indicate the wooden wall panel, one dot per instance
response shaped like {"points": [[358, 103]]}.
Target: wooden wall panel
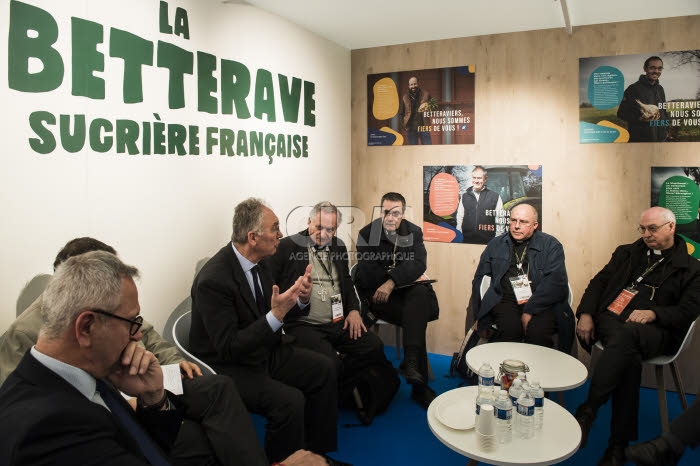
{"points": [[526, 113]]}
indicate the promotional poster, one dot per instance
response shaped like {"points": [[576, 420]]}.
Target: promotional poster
{"points": [[471, 203], [423, 107], [676, 188], [650, 97]]}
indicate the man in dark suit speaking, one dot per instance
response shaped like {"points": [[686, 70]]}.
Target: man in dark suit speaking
{"points": [[237, 317]]}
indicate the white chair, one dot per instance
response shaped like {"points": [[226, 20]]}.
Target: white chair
{"points": [[181, 337], [659, 362], [31, 291]]}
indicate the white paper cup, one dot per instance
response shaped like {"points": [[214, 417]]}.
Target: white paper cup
{"points": [[486, 442], [486, 421]]}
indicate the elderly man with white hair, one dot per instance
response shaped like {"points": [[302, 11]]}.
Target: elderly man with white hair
{"points": [[639, 305]]}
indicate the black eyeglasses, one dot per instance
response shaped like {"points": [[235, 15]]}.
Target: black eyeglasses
{"points": [[392, 213], [135, 324]]}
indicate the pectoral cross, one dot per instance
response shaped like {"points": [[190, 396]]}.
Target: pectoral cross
{"points": [[322, 293], [653, 290]]}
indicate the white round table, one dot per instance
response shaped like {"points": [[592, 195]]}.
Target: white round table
{"points": [[554, 370], [558, 440]]}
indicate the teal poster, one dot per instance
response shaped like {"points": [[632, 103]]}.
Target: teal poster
{"points": [[652, 97], [677, 189]]}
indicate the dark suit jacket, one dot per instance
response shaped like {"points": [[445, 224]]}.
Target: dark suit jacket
{"points": [[376, 252], [291, 260], [45, 420], [227, 328]]}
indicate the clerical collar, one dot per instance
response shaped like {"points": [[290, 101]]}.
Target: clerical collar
{"points": [[519, 242], [658, 253]]}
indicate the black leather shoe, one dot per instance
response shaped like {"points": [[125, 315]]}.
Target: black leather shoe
{"points": [[656, 452], [334, 462], [411, 372], [585, 417], [423, 395], [614, 455]]}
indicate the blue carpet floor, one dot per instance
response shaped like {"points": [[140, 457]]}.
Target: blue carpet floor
{"points": [[401, 435]]}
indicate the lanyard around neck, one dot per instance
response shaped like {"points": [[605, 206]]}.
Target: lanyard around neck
{"points": [[646, 272], [327, 270]]}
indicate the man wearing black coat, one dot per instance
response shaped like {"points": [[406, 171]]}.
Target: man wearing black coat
{"points": [[61, 403], [331, 323], [639, 305], [390, 257], [646, 122], [237, 317]]}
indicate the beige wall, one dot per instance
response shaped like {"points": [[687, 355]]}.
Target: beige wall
{"points": [[526, 113]]}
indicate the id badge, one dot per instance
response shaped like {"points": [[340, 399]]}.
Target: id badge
{"points": [[521, 288], [622, 300], [337, 307]]}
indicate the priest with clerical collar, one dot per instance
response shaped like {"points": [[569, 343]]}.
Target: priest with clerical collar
{"points": [[640, 305], [330, 323], [527, 299]]}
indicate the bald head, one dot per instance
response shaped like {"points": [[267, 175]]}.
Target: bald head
{"points": [[527, 210], [657, 226], [523, 222]]}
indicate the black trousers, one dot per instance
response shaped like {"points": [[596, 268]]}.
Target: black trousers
{"points": [[686, 427], [618, 373], [217, 424], [297, 393], [410, 308], [540, 330], [330, 339]]}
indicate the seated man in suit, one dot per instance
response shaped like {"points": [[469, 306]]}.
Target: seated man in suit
{"points": [[390, 257], [331, 322], [639, 305], [237, 317], [527, 298], [668, 448], [212, 401], [60, 402]]}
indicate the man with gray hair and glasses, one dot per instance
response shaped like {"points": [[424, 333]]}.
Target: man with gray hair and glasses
{"points": [[331, 322], [62, 401], [639, 306]]}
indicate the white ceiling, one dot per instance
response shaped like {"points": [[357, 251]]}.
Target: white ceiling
{"points": [[357, 24]]}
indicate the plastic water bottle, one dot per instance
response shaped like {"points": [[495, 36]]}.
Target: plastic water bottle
{"points": [[504, 417], [525, 386], [522, 377], [484, 398], [526, 415], [486, 380], [537, 394], [515, 390], [487, 376]]}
